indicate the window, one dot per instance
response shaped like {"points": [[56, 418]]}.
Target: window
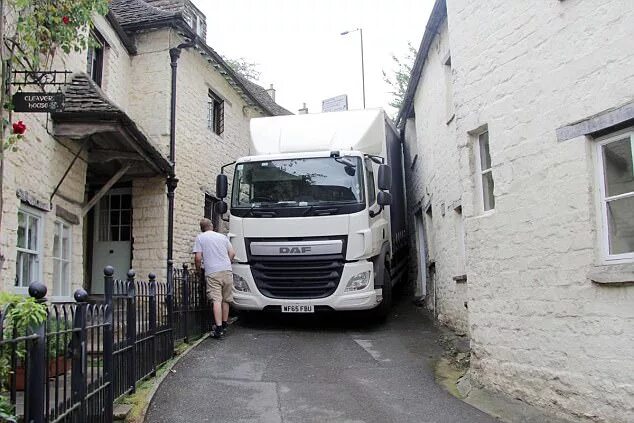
{"points": [[616, 187], [28, 263], [449, 107], [461, 241], [211, 212], [484, 172], [115, 217], [429, 228], [62, 241], [94, 60], [215, 114], [369, 175]]}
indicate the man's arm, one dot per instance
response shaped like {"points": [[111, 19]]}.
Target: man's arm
{"points": [[232, 252], [198, 254], [198, 260]]}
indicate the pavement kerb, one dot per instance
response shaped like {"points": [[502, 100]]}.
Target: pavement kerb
{"points": [[168, 371]]}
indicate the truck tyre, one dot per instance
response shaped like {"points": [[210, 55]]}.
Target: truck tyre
{"points": [[381, 312]]}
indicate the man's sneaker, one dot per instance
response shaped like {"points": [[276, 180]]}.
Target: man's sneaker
{"points": [[217, 332]]}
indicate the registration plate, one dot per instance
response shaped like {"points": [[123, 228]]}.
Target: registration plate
{"points": [[298, 308]]}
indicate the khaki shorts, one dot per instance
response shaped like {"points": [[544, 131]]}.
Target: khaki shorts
{"points": [[220, 286]]}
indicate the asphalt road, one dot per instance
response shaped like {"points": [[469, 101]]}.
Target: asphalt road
{"points": [[334, 368]]}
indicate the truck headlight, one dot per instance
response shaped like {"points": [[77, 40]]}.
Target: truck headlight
{"points": [[358, 282], [240, 284]]}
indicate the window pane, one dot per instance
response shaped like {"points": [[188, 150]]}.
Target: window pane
{"points": [[126, 201], [115, 201], [24, 260], [57, 253], [617, 167], [32, 233], [114, 233], [126, 217], [57, 278], [66, 243], [114, 217], [485, 157], [621, 225], [487, 191], [22, 230], [65, 285], [125, 233]]}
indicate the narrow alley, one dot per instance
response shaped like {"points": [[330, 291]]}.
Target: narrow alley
{"points": [[319, 369]]}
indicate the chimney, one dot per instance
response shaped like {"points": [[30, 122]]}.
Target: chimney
{"points": [[303, 110], [271, 92]]}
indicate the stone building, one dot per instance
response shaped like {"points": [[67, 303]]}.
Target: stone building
{"points": [[519, 138], [87, 188]]}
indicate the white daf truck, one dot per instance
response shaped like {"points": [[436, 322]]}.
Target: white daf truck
{"points": [[317, 216]]}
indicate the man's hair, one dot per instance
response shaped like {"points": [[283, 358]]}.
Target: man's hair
{"points": [[206, 225]]}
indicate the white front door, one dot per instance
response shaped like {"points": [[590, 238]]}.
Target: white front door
{"points": [[113, 237]]}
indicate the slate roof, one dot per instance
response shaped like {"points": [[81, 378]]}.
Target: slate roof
{"points": [[133, 13], [263, 97], [85, 102], [83, 95]]}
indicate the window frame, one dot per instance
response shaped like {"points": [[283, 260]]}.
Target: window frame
{"points": [[606, 257], [215, 113], [38, 251], [68, 228], [98, 61], [480, 172]]}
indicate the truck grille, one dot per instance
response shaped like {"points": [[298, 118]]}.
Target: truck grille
{"points": [[297, 277]]}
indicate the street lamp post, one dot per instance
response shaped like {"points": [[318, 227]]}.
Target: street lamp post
{"points": [[362, 64]]}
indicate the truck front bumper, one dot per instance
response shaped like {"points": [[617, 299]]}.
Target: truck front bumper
{"points": [[364, 299]]}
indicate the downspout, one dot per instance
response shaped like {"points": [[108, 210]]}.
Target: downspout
{"points": [[172, 181]]}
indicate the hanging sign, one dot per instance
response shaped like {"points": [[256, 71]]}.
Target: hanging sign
{"points": [[38, 102]]}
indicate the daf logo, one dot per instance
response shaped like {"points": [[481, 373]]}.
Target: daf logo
{"points": [[294, 250]]}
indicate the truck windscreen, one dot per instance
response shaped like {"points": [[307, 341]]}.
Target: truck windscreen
{"points": [[298, 182]]}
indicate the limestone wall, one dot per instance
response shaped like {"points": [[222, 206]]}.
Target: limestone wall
{"points": [[541, 330], [434, 185]]}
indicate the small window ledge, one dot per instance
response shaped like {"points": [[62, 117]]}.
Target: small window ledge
{"points": [[460, 278], [606, 277]]}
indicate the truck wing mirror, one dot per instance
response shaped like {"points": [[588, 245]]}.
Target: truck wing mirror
{"points": [[385, 177], [221, 207], [221, 186], [384, 198]]}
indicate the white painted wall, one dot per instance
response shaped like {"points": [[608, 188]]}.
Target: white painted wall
{"points": [[540, 329]]}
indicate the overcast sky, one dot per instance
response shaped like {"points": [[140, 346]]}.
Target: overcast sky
{"points": [[298, 47]]}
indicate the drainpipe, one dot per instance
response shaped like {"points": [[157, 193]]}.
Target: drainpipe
{"points": [[172, 181]]}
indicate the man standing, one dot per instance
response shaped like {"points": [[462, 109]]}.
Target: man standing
{"points": [[216, 252]]}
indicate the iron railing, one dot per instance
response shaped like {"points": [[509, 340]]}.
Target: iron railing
{"points": [[73, 366]]}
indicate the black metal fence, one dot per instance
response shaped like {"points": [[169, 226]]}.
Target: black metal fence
{"points": [[73, 366]]}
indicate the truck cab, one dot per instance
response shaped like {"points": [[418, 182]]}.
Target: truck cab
{"points": [[312, 228]]}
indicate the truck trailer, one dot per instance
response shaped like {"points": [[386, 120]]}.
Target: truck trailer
{"points": [[317, 213]]}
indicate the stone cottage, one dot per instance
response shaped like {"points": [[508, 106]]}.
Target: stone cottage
{"points": [[518, 128], [88, 186]]}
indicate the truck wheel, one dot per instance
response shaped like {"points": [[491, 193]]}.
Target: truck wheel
{"points": [[381, 312]]}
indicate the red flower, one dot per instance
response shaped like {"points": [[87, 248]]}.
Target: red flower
{"points": [[19, 128], [66, 20]]}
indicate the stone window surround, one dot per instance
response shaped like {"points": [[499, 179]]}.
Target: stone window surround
{"points": [[606, 257], [604, 123]]}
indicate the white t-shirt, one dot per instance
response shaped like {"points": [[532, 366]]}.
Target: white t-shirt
{"points": [[215, 249]]}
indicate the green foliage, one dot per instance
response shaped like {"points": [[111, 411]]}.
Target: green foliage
{"points": [[43, 26], [244, 67], [7, 411], [399, 80]]}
